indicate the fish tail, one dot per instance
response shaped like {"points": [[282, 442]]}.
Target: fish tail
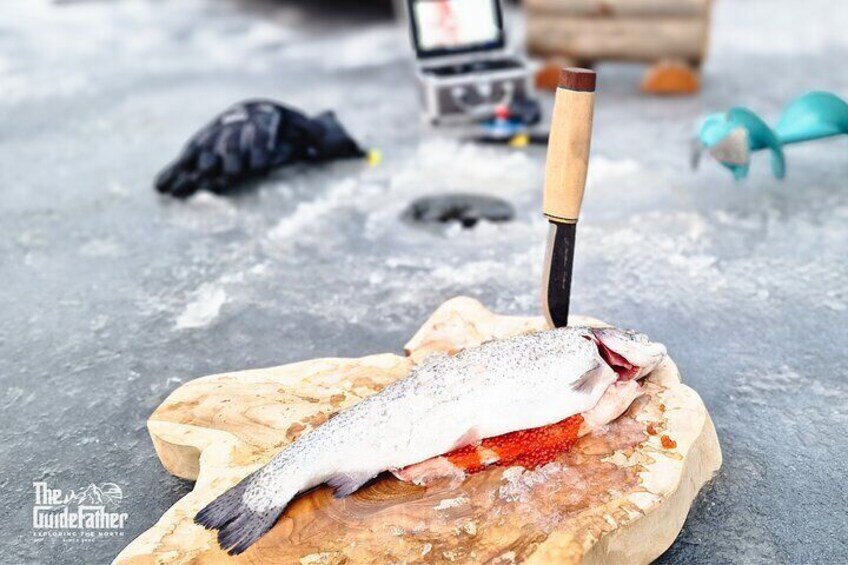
{"points": [[238, 524]]}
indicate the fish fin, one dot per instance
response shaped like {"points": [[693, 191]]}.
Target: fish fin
{"points": [[238, 525], [469, 437], [589, 380], [223, 509], [345, 484], [423, 473]]}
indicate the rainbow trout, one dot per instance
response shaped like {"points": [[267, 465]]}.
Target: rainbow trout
{"points": [[444, 404]]}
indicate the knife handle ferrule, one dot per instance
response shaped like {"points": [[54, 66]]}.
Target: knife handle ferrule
{"points": [[568, 145]]}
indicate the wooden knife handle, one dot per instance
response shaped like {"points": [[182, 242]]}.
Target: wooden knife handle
{"points": [[568, 145]]}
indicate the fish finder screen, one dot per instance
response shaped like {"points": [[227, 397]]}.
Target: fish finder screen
{"points": [[453, 24]]}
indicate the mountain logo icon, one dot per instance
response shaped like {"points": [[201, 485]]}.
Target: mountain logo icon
{"points": [[106, 494]]}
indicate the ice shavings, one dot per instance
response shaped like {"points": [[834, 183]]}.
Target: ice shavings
{"points": [[203, 309], [656, 256], [442, 165], [396, 265], [519, 482], [451, 503], [653, 257], [818, 402], [311, 215], [204, 212]]}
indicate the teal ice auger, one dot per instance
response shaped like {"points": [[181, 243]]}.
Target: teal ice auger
{"points": [[731, 138]]}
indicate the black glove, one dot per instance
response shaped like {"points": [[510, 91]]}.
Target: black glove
{"points": [[251, 139]]}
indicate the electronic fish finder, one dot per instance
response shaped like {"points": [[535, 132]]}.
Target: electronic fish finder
{"points": [[463, 67]]}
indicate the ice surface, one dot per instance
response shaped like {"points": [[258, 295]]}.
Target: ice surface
{"points": [[113, 296], [205, 307]]}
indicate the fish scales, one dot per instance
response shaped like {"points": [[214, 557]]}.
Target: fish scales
{"points": [[501, 386]]}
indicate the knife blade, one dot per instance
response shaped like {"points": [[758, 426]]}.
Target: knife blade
{"points": [[566, 166]]}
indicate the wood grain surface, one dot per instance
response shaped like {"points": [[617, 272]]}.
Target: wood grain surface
{"points": [[619, 8], [620, 495], [591, 39], [569, 143]]}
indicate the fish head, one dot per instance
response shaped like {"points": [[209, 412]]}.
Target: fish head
{"points": [[630, 354]]}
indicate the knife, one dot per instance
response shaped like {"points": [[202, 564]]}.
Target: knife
{"points": [[565, 179]]}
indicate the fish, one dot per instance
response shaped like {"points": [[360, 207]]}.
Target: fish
{"points": [[447, 403], [526, 448]]}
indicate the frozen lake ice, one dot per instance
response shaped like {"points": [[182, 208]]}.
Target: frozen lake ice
{"points": [[112, 296]]}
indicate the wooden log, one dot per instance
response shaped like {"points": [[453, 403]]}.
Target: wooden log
{"points": [[626, 39], [619, 8], [620, 495]]}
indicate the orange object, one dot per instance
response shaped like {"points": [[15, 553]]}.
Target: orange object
{"points": [[547, 77], [527, 448], [671, 78], [668, 443]]}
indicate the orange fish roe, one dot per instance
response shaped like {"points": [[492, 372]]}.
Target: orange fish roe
{"points": [[668, 443], [528, 448], [651, 429]]}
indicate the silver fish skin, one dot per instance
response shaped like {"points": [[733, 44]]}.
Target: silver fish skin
{"points": [[501, 386]]}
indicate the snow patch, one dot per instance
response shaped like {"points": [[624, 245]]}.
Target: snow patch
{"points": [[346, 193], [204, 309], [204, 212], [375, 46]]}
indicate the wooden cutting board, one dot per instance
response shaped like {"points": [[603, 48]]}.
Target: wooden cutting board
{"points": [[620, 496]]}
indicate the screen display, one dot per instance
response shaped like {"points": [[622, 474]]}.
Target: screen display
{"points": [[454, 24]]}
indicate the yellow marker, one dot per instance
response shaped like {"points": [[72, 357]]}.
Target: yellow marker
{"points": [[520, 140], [374, 157]]}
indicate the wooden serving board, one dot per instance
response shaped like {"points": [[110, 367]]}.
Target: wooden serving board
{"points": [[619, 496]]}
